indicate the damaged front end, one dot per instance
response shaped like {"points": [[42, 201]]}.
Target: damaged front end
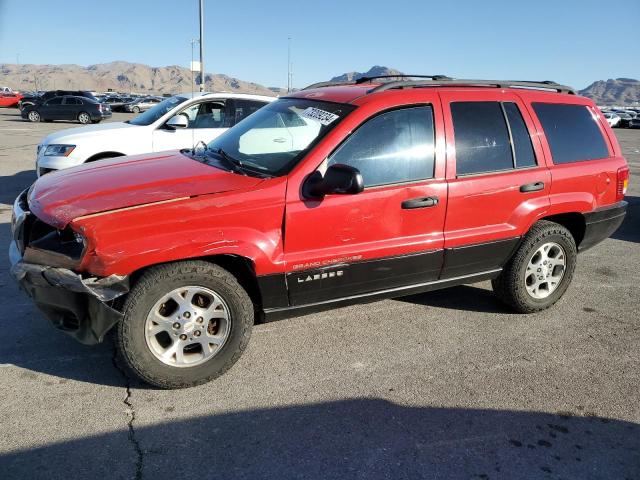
{"points": [[42, 258]]}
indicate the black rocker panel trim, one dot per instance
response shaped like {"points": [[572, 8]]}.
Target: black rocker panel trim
{"points": [[341, 280], [297, 310], [273, 290], [480, 257]]}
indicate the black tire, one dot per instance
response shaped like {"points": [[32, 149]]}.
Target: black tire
{"points": [[34, 116], [135, 109], [510, 286], [84, 118], [157, 282]]}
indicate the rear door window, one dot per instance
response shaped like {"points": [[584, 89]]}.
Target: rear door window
{"points": [[481, 137], [490, 137], [244, 108], [572, 132]]}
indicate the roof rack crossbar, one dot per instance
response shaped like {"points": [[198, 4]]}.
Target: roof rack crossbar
{"points": [[362, 80], [400, 75], [539, 85]]}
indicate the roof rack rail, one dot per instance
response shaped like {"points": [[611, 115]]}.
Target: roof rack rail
{"points": [[444, 81], [526, 84]]}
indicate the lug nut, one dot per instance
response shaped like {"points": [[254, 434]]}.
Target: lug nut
{"points": [[176, 325], [199, 319], [187, 315], [183, 337], [196, 333]]}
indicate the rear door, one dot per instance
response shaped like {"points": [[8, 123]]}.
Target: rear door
{"points": [[498, 180], [71, 107], [389, 235]]}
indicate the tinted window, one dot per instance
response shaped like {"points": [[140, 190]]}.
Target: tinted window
{"points": [[522, 146], [572, 132], [481, 137], [394, 147], [55, 101], [244, 108], [72, 101]]}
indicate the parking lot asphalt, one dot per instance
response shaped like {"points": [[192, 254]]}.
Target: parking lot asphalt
{"points": [[448, 384]]}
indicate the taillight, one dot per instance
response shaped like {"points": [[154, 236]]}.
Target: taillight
{"points": [[99, 107], [622, 183]]}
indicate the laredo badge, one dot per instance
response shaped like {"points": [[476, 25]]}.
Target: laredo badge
{"points": [[320, 276]]}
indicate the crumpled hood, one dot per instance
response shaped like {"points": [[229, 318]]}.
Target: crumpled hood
{"points": [[58, 198], [72, 135]]}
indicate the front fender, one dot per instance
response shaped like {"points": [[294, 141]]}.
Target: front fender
{"points": [[247, 223]]}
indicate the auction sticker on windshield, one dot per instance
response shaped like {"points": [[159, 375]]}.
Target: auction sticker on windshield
{"points": [[325, 118]]}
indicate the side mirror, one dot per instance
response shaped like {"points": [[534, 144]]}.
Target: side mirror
{"points": [[179, 121], [338, 179]]}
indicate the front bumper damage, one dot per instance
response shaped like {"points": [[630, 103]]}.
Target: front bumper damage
{"points": [[82, 307]]}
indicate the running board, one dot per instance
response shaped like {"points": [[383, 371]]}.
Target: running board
{"points": [[272, 314]]}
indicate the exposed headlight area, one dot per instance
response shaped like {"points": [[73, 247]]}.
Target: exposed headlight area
{"points": [[39, 242], [58, 150]]}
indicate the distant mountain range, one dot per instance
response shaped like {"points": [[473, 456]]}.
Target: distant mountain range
{"points": [[619, 91], [121, 77], [139, 78]]}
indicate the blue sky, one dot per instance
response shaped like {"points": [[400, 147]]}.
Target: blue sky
{"points": [[573, 42]]}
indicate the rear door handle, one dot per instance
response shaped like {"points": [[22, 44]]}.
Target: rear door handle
{"points": [[420, 202], [532, 187]]}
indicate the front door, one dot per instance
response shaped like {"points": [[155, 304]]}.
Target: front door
{"points": [[497, 177], [52, 109], [388, 236], [206, 121]]}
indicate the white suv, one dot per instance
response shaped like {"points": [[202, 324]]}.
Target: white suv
{"points": [[178, 122]]}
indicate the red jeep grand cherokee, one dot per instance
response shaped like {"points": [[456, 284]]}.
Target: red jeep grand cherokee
{"points": [[330, 196]]}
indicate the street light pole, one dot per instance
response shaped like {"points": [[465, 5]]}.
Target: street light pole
{"points": [[288, 64], [201, 45]]}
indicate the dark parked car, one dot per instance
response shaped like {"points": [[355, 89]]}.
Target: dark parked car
{"points": [[35, 99], [634, 122], [117, 103], [68, 107], [625, 118]]}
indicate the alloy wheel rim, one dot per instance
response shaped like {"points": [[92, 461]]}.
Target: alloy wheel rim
{"points": [[187, 326], [84, 118], [545, 270], [33, 116]]}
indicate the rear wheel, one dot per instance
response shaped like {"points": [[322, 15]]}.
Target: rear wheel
{"points": [[541, 269], [34, 116], [135, 109], [84, 118], [185, 324]]}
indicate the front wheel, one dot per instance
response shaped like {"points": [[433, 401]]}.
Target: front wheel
{"points": [[34, 116], [84, 118], [135, 109], [540, 271], [185, 324]]}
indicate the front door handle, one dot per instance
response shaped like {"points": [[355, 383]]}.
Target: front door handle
{"points": [[420, 202], [532, 187]]}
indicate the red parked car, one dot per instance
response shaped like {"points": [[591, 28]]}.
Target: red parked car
{"points": [[333, 195], [10, 99]]}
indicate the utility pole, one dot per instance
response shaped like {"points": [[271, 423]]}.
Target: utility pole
{"points": [[193, 42], [289, 72], [201, 45]]}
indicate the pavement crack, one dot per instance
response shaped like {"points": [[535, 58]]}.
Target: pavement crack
{"points": [[131, 413]]}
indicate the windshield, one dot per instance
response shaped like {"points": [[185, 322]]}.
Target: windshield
{"points": [[154, 113], [274, 138]]}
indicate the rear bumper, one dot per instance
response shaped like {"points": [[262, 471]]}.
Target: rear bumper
{"points": [[602, 223]]}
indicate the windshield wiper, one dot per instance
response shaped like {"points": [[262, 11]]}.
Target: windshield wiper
{"points": [[234, 164]]}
